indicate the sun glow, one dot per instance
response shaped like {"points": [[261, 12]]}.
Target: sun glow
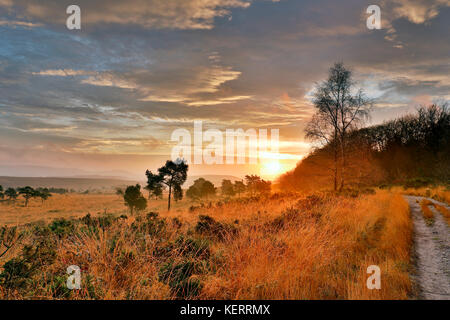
{"points": [[272, 168]]}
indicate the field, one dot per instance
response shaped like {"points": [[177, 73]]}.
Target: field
{"points": [[72, 205], [284, 246]]}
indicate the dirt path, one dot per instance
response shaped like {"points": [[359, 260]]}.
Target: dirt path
{"points": [[432, 244]]}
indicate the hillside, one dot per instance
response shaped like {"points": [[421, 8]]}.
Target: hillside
{"points": [[413, 150]]}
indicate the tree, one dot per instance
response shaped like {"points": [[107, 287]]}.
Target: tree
{"points": [[134, 198], [119, 192], [11, 193], [339, 109], [239, 187], [256, 185], [2, 195], [208, 189], [154, 185], [173, 175], [27, 193], [44, 194], [201, 188], [264, 187], [252, 181], [227, 188], [177, 192]]}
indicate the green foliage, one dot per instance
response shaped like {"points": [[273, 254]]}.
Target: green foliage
{"points": [[11, 193], [18, 272], [62, 227], [28, 193]]}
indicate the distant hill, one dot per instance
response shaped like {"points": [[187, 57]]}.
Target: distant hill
{"points": [[41, 171], [78, 184]]}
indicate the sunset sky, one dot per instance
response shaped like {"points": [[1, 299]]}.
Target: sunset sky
{"points": [[105, 99]]}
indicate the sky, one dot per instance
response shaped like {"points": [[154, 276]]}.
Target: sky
{"points": [[105, 100]]}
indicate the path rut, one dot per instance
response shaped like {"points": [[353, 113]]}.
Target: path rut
{"points": [[432, 246]]}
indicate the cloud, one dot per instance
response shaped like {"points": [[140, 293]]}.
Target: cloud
{"points": [[414, 11], [171, 14], [63, 72], [192, 86], [418, 11], [16, 23]]}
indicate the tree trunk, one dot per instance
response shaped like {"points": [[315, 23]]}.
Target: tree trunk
{"points": [[343, 163], [170, 193], [335, 159]]}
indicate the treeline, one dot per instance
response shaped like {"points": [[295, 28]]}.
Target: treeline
{"points": [[412, 150], [253, 185], [27, 193]]}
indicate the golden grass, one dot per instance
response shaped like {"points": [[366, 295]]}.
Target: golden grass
{"points": [[72, 205], [439, 193], [284, 249], [426, 211], [322, 259], [444, 211]]}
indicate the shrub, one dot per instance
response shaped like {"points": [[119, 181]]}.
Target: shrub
{"points": [[178, 277], [211, 228], [62, 227], [18, 272], [197, 248]]}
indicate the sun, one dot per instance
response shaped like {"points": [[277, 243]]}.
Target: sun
{"points": [[271, 168]]}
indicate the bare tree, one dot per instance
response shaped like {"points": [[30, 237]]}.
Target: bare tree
{"points": [[339, 109]]}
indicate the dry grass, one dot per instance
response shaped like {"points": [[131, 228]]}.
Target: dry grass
{"points": [[439, 193], [426, 211], [72, 205], [283, 247], [444, 211]]}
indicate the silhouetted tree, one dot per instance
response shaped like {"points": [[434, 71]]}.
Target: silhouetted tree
{"points": [[177, 192], [200, 189], [256, 185], [12, 194], [239, 187], [173, 175], [251, 183], [134, 198], [227, 188], [338, 110], [2, 195], [27, 193], [44, 194], [154, 185]]}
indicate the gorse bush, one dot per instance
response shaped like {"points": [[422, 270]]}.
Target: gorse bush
{"points": [[207, 226]]}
